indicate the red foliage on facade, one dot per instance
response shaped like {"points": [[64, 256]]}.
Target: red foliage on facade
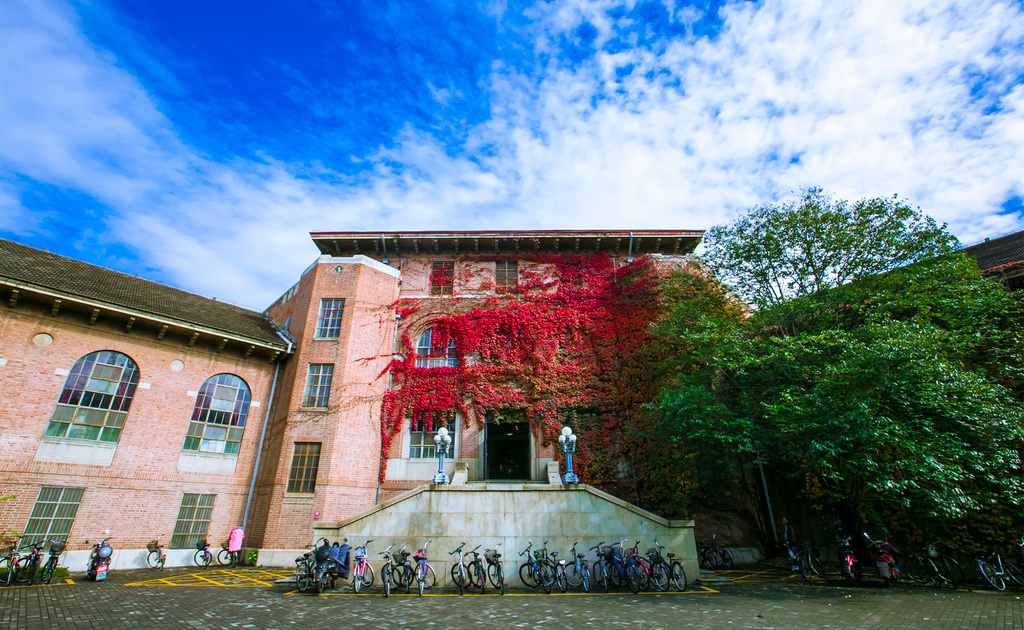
{"points": [[566, 347]]}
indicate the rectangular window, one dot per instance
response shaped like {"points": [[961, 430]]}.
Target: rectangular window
{"points": [[53, 514], [506, 273], [305, 461], [193, 520], [421, 441], [442, 277], [328, 322], [318, 385]]}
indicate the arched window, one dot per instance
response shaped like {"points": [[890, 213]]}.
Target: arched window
{"points": [[218, 418], [96, 397], [429, 357]]}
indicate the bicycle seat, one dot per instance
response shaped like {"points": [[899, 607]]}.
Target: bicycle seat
{"points": [[580, 555], [671, 555], [554, 554]]}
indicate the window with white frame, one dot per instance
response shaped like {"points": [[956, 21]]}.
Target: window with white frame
{"points": [[421, 436], [218, 418], [430, 356], [328, 321], [193, 520]]}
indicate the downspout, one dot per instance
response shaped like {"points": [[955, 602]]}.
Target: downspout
{"points": [[263, 431]]}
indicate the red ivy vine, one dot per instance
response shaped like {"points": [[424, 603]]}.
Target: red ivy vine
{"points": [[567, 346]]}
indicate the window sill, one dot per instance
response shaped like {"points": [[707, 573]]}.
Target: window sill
{"points": [[207, 463], [326, 338], [75, 451], [314, 408]]}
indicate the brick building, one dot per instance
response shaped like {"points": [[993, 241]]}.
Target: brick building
{"points": [[153, 412]]}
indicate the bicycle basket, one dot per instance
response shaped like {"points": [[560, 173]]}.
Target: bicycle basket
{"points": [[608, 553], [359, 553], [57, 548], [421, 554], [401, 557], [492, 556], [224, 545], [151, 545], [654, 554], [201, 545], [933, 552]]}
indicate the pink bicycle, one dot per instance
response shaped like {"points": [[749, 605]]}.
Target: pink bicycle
{"points": [[362, 572]]}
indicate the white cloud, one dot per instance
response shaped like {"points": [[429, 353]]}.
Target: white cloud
{"points": [[871, 98]]}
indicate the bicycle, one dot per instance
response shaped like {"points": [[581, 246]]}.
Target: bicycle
{"points": [[494, 571], [534, 570], [558, 567], [361, 568], [661, 571], [156, 557], [203, 557], [713, 556], [638, 574], [578, 573], [928, 565], [304, 570], [475, 571], [405, 574], [425, 576], [9, 563], [387, 570], [677, 572], [808, 562], [997, 570], [27, 568], [458, 569], [228, 558], [56, 548]]}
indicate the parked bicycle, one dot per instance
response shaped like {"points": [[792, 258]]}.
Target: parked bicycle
{"points": [[998, 570], [9, 564], [578, 572], [56, 548], [304, 570], [928, 565], [661, 571], [203, 557], [494, 571], [609, 570], [387, 570], [677, 572], [714, 556], [638, 574], [362, 572], [404, 573], [425, 576], [534, 571], [558, 569], [459, 576], [475, 570], [156, 558], [808, 561]]}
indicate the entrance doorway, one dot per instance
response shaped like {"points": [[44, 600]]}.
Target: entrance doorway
{"points": [[507, 450]]}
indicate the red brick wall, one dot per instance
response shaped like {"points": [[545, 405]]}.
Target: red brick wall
{"points": [[137, 497]]}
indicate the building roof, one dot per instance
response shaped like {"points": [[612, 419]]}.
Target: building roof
{"points": [[507, 242], [34, 270], [999, 252]]}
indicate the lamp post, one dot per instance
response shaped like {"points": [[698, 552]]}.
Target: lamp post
{"points": [[568, 443], [441, 441]]}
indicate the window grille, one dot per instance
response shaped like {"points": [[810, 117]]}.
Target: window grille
{"points": [[442, 277], [305, 462], [193, 520], [53, 515], [328, 323], [96, 396], [218, 418], [318, 385]]}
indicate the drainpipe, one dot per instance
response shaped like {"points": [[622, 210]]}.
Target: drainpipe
{"points": [[263, 432]]}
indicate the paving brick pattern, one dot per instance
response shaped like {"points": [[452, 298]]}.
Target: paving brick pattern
{"points": [[232, 600]]}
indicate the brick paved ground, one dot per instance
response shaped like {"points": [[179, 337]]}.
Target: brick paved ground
{"points": [[248, 599]]}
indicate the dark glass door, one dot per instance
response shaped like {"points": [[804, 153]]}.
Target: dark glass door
{"points": [[507, 450]]}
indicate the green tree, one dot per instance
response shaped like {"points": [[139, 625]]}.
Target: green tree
{"points": [[895, 395]]}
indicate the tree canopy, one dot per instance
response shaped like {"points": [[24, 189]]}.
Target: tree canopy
{"points": [[881, 375]]}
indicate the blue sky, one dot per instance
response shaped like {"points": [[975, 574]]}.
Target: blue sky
{"points": [[198, 143]]}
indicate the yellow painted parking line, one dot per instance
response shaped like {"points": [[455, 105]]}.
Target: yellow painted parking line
{"points": [[219, 578], [703, 590]]}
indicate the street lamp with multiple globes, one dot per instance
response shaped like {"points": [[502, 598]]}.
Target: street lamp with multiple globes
{"points": [[441, 441], [568, 443]]}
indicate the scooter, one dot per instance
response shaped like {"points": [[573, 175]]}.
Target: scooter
{"points": [[99, 559], [884, 555], [849, 565]]}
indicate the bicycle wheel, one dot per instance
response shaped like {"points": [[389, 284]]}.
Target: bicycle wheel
{"points": [[989, 573], [431, 578], [952, 571], [644, 573], [561, 581], [407, 578], [574, 575], [915, 569], [224, 557], [368, 576], [28, 572], [660, 576], [481, 577], [678, 575], [704, 559], [48, 570], [1013, 572], [726, 559], [6, 576], [544, 577], [616, 575], [459, 577], [199, 558], [527, 575], [301, 578], [357, 580], [633, 578], [385, 578], [153, 559], [817, 570], [497, 577], [600, 574]]}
